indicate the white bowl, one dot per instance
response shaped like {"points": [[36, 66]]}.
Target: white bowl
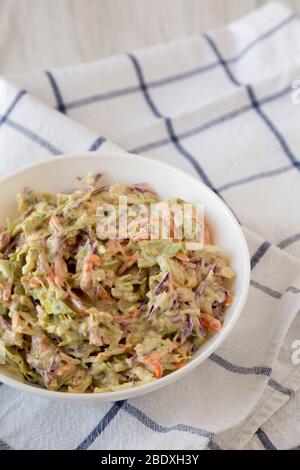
{"points": [[59, 173]]}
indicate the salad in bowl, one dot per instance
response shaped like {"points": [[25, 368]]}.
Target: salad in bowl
{"points": [[84, 312]]}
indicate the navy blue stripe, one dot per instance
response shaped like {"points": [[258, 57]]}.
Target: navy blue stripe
{"points": [[260, 38], [4, 117], [101, 426], [134, 89], [256, 105], [293, 289], [154, 426], [273, 129], [221, 60], [97, 144], [267, 290], [181, 76], [169, 126], [187, 155], [280, 388], [214, 122], [289, 241], [278, 94], [212, 445], [266, 371], [101, 97], [56, 91], [262, 249], [194, 131], [143, 86], [264, 439], [151, 146], [4, 446], [256, 370], [255, 177], [34, 137], [272, 292]]}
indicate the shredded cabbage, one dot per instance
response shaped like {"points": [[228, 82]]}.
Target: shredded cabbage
{"points": [[81, 311]]}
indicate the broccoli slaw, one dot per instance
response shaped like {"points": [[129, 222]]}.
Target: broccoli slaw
{"points": [[81, 311]]}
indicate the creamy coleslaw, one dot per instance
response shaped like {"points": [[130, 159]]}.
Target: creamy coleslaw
{"points": [[83, 312]]}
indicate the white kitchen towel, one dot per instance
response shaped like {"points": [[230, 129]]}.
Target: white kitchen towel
{"points": [[221, 106]]}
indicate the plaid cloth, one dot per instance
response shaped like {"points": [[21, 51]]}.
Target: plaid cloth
{"points": [[219, 106]]}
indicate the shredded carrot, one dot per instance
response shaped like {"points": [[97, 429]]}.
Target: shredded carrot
{"points": [[120, 318], [140, 236], [103, 294], [130, 317], [87, 268], [94, 259], [90, 262], [172, 229], [181, 364], [35, 282], [156, 365], [62, 370], [182, 257], [158, 369], [153, 360], [115, 246], [71, 242], [50, 273], [132, 259], [229, 299], [210, 322], [16, 321], [137, 312], [51, 277], [122, 269], [207, 234], [55, 223]]}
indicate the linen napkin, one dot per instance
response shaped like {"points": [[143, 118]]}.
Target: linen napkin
{"points": [[220, 106]]}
